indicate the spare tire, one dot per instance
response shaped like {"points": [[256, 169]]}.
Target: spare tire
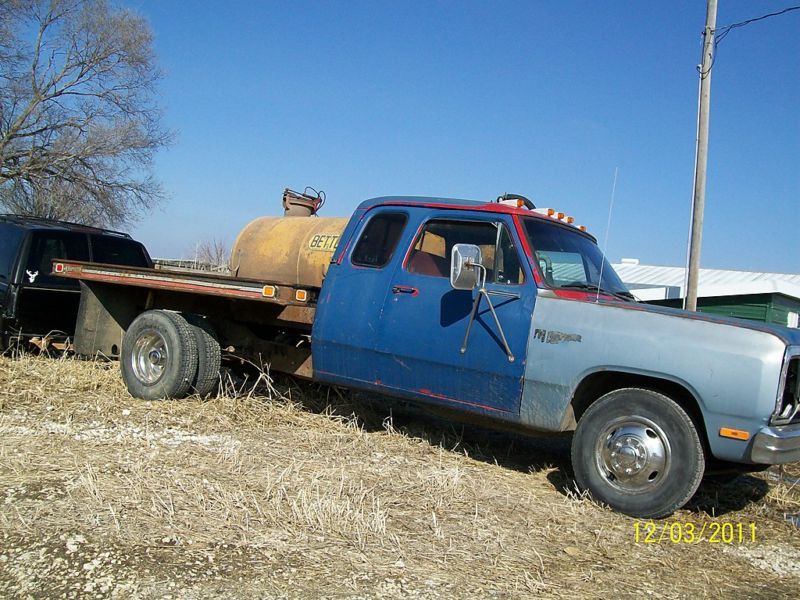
{"points": [[159, 356]]}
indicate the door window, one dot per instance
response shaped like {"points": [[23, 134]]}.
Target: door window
{"points": [[431, 252], [10, 238], [379, 240]]}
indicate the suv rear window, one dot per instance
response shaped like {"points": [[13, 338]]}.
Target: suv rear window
{"points": [[116, 251], [49, 245]]}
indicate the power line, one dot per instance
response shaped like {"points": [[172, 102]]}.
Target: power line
{"points": [[723, 31]]}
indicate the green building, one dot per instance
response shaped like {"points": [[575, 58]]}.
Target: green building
{"points": [[766, 297]]}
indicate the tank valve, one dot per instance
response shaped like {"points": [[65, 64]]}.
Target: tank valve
{"points": [[306, 204]]}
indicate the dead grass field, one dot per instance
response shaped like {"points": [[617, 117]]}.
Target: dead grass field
{"points": [[307, 492]]}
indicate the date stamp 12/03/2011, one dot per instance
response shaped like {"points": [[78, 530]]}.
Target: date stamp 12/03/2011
{"points": [[675, 532]]}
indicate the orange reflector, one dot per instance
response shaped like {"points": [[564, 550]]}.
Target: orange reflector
{"points": [[58, 267], [301, 295], [269, 291], [736, 434]]}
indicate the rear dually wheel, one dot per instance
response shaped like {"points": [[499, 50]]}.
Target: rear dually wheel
{"points": [[159, 356]]}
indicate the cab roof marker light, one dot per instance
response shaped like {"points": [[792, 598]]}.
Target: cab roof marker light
{"points": [[582, 227], [570, 220]]}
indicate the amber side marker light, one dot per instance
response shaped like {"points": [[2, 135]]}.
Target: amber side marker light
{"points": [[301, 295], [269, 291], [735, 434]]}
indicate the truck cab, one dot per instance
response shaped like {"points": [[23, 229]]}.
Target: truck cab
{"points": [[35, 304], [405, 329]]}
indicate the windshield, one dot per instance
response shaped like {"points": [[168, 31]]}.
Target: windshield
{"points": [[567, 259]]}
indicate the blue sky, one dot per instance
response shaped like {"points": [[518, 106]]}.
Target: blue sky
{"points": [[472, 99]]}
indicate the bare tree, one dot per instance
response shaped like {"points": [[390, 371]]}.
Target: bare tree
{"points": [[78, 122], [213, 252]]}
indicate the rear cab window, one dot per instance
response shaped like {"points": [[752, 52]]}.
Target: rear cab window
{"points": [[379, 239]]}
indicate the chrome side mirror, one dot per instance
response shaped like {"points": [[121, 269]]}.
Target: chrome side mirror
{"points": [[464, 262]]}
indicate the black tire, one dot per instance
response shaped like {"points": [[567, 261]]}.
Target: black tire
{"points": [[639, 452], [159, 356], [209, 357]]}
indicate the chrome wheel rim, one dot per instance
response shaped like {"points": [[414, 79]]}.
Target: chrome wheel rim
{"points": [[149, 357], [633, 454]]}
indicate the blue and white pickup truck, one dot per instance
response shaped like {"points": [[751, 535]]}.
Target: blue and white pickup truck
{"points": [[492, 309]]}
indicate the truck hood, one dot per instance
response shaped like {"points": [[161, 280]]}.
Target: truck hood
{"points": [[789, 336]]}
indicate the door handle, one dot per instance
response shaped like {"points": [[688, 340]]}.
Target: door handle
{"points": [[404, 289]]}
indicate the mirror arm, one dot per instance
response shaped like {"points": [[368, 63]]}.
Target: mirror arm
{"points": [[481, 293]]}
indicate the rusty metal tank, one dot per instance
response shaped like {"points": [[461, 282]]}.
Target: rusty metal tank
{"points": [[292, 249]]}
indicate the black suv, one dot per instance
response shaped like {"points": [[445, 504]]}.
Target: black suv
{"points": [[33, 302]]}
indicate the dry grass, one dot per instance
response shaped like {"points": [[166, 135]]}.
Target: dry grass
{"points": [[299, 490]]}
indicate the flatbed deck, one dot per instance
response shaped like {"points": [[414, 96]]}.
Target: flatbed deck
{"points": [[210, 284]]}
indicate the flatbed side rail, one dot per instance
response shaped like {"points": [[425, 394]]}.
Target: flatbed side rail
{"points": [[210, 284]]}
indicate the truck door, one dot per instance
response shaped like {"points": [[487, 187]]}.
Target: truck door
{"points": [[424, 320], [11, 238]]}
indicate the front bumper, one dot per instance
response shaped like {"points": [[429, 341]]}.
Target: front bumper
{"points": [[776, 445]]}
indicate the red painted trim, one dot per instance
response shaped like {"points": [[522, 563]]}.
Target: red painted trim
{"points": [[493, 207], [425, 392], [346, 248], [580, 295]]}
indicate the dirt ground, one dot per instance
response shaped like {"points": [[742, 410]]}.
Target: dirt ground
{"points": [[304, 491]]}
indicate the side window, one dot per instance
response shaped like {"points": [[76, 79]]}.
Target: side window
{"points": [[379, 239], [431, 252], [10, 240], [49, 245], [117, 251]]}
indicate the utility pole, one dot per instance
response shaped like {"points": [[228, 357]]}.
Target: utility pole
{"points": [[698, 203]]}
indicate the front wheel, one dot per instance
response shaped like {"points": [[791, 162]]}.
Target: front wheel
{"points": [[639, 452], [159, 356]]}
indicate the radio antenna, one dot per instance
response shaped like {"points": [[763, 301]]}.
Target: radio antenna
{"points": [[608, 226]]}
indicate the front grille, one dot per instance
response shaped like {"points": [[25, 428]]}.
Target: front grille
{"points": [[789, 407]]}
